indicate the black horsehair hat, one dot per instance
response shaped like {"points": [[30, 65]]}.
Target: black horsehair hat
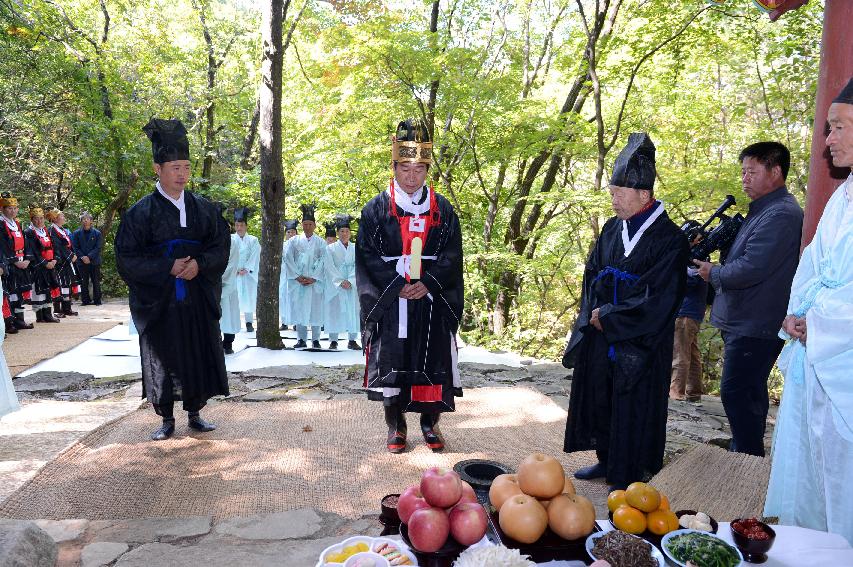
{"points": [[330, 229], [242, 214], [343, 220], [308, 211], [290, 224], [846, 94], [635, 166], [168, 140]]}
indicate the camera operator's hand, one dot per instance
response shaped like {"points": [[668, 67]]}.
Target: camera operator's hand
{"points": [[595, 321], [796, 327], [704, 269]]}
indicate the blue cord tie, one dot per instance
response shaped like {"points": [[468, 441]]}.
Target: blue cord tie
{"points": [[180, 285], [618, 276]]}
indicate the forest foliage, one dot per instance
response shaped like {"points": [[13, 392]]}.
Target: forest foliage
{"points": [[529, 101]]}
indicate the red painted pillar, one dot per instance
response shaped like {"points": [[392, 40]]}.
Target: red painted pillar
{"points": [[836, 68]]}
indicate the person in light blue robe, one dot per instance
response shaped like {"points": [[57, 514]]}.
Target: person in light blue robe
{"points": [[8, 397], [284, 282], [342, 308], [305, 261], [229, 323], [812, 459], [247, 268]]}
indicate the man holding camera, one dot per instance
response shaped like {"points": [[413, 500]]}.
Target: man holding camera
{"points": [[752, 287]]}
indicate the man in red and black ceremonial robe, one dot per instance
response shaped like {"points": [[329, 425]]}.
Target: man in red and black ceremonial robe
{"points": [[171, 248], [621, 344], [410, 317]]}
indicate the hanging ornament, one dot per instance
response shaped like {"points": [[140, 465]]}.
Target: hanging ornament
{"points": [[768, 5]]}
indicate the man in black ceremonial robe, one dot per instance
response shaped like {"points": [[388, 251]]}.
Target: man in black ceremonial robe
{"points": [[621, 344], [410, 318], [171, 248]]}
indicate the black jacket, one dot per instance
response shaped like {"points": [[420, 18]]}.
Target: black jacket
{"points": [[753, 285]]}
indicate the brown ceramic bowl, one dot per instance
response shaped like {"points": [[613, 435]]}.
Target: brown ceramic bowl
{"points": [[389, 507], [753, 550]]}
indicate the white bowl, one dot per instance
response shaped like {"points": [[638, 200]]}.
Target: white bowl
{"points": [[590, 543], [371, 543], [671, 535], [339, 547], [378, 560]]}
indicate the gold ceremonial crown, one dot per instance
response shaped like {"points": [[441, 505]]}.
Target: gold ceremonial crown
{"points": [[8, 200], [36, 212], [52, 214], [412, 152]]}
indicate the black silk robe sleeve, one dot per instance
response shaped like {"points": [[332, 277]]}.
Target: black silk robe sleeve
{"points": [[377, 281], [138, 263], [446, 272], [651, 302], [216, 247]]}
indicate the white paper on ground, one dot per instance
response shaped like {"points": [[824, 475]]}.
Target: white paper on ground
{"points": [[115, 352]]}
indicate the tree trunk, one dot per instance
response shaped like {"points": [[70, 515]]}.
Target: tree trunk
{"points": [[272, 179]]}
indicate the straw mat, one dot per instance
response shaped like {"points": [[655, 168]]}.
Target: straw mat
{"points": [[722, 484], [276, 456]]}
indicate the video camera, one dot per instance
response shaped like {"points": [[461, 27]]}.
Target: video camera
{"points": [[702, 242]]}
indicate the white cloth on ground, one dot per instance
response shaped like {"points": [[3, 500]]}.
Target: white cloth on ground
{"points": [[8, 397]]}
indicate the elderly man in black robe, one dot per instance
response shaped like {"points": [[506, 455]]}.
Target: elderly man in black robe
{"points": [[621, 344], [171, 248], [411, 298]]}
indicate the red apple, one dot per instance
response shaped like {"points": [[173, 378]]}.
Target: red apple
{"points": [[410, 500], [428, 529], [468, 494], [468, 523], [441, 487]]}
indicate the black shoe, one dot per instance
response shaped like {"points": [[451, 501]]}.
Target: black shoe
{"points": [[300, 344], [21, 324], [97, 303], [47, 317], [332, 345], [86, 303], [315, 344], [250, 328], [10, 326], [396, 421], [166, 430], [618, 486], [59, 315], [432, 436], [598, 470], [196, 422], [283, 328], [352, 345], [228, 350]]}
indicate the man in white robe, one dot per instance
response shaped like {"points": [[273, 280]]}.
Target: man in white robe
{"points": [[283, 283], [229, 323], [305, 261], [342, 309], [813, 440], [247, 268]]}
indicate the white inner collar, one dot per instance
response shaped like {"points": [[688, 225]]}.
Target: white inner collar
{"points": [[179, 203], [10, 223], [408, 203], [630, 243]]}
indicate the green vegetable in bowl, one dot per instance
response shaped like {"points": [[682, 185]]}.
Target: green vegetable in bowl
{"points": [[703, 550]]}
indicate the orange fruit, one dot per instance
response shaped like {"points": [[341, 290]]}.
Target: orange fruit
{"points": [[616, 499], [629, 519], [661, 522], [664, 503], [642, 497]]}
